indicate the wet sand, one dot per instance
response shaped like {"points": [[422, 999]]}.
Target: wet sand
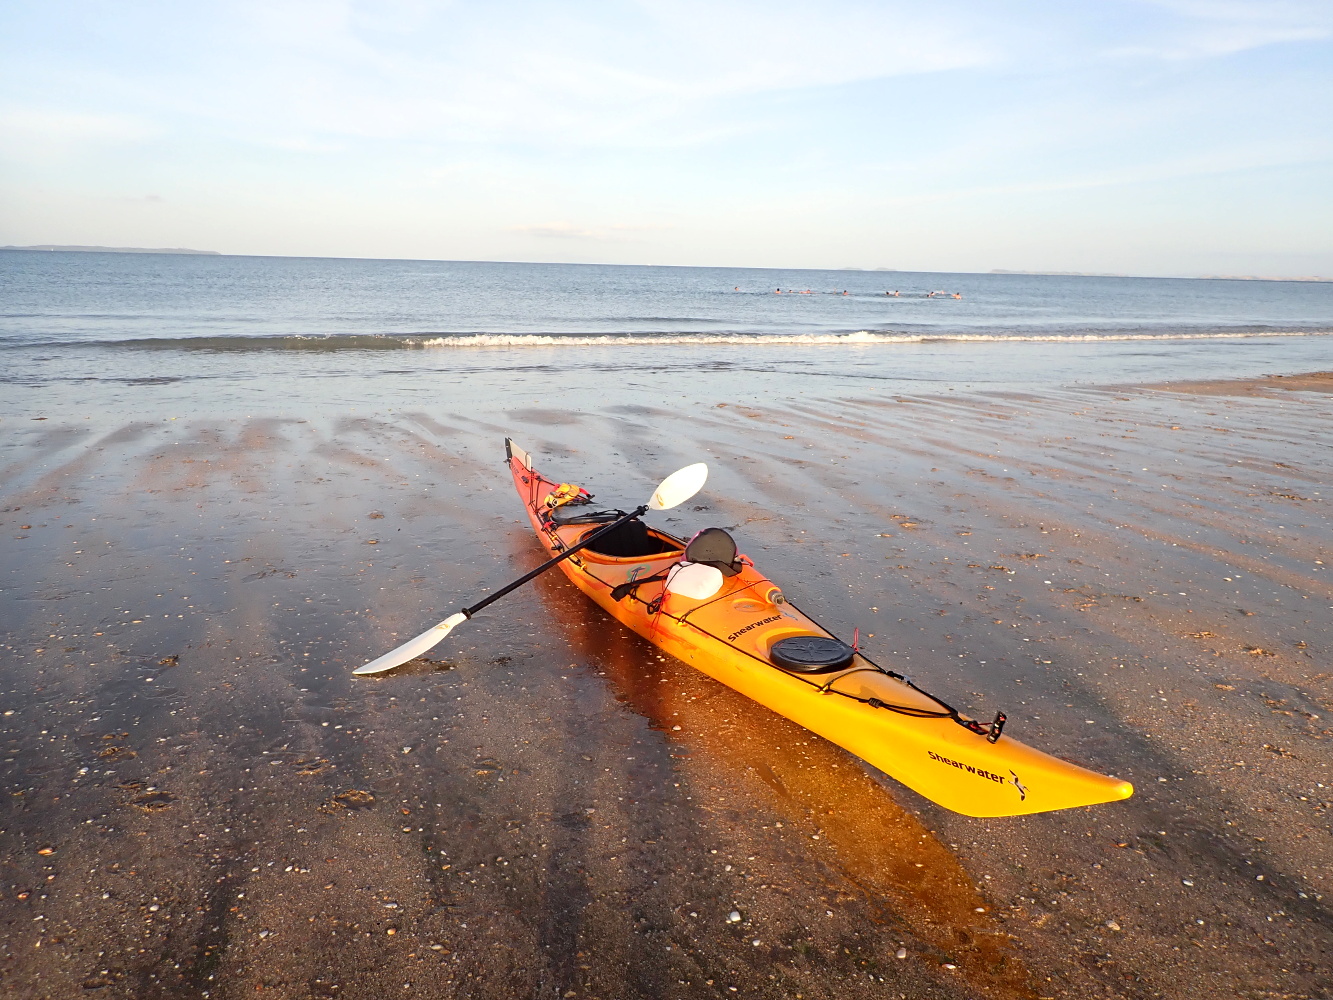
{"points": [[201, 801]]}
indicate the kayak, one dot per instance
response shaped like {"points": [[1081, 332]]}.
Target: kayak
{"points": [[709, 606]]}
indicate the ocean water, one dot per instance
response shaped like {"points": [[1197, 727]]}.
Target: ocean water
{"points": [[101, 329]]}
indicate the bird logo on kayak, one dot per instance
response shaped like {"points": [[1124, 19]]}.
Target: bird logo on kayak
{"points": [[1022, 791]]}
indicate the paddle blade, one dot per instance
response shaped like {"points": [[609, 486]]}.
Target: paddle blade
{"points": [[413, 648], [678, 487]]}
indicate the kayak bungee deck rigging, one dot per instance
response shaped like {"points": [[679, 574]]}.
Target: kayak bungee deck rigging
{"points": [[710, 607]]}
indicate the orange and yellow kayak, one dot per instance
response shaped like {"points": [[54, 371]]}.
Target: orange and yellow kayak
{"points": [[731, 635]]}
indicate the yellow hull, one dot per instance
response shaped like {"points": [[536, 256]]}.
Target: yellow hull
{"points": [[861, 708]]}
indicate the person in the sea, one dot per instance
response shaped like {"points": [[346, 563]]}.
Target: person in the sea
{"points": [[958, 295]]}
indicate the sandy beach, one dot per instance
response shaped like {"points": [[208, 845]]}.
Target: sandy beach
{"points": [[200, 800]]}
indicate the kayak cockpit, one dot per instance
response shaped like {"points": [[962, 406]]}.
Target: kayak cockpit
{"points": [[634, 540]]}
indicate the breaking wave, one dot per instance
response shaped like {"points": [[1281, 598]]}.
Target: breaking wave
{"points": [[427, 341], [861, 337]]}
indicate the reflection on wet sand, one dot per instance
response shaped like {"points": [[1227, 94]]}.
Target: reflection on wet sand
{"points": [[884, 851]]}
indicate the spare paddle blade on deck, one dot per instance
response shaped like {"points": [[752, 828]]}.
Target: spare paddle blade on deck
{"points": [[678, 487], [413, 648]]}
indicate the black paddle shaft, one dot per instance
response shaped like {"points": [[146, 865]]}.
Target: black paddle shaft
{"points": [[551, 562]]}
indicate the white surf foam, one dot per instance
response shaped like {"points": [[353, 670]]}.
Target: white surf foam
{"points": [[860, 338]]}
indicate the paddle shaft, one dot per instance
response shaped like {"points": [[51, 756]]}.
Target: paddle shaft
{"points": [[551, 562]]}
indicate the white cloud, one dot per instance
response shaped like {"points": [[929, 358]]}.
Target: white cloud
{"points": [[545, 72], [56, 127], [569, 231], [1208, 28], [302, 144]]}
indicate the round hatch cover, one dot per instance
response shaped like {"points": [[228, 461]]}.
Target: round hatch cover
{"points": [[811, 654]]}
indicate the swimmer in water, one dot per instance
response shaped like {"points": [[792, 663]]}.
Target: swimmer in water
{"points": [[777, 291], [958, 295]]}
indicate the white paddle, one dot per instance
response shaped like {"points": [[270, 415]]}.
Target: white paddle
{"points": [[674, 490]]}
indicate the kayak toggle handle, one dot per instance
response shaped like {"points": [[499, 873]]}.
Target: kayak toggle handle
{"points": [[997, 727]]}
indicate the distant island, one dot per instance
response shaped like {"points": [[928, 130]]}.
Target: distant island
{"points": [[52, 246]]}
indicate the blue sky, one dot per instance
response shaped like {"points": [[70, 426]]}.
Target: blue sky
{"points": [[1163, 137]]}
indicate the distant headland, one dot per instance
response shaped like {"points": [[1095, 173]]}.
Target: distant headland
{"points": [[52, 246]]}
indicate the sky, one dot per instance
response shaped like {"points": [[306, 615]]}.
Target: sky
{"points": [[1145, 137]]}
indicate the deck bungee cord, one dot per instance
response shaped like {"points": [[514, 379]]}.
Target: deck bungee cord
{"points": [[991, 731]]}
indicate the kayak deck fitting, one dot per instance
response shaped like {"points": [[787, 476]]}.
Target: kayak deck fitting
{"points": [[746, 635]]}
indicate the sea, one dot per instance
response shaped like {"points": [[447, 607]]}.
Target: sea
{"points": [[126, 333]]}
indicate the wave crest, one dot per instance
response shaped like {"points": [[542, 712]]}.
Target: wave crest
{"points": [[333, 343], [860, 337]]}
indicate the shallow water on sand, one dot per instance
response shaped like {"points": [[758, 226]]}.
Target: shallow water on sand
{"points": [[200, 798]]}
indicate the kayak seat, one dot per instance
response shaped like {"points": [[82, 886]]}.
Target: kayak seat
{"points": [[630, 541], [714, 547]]}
